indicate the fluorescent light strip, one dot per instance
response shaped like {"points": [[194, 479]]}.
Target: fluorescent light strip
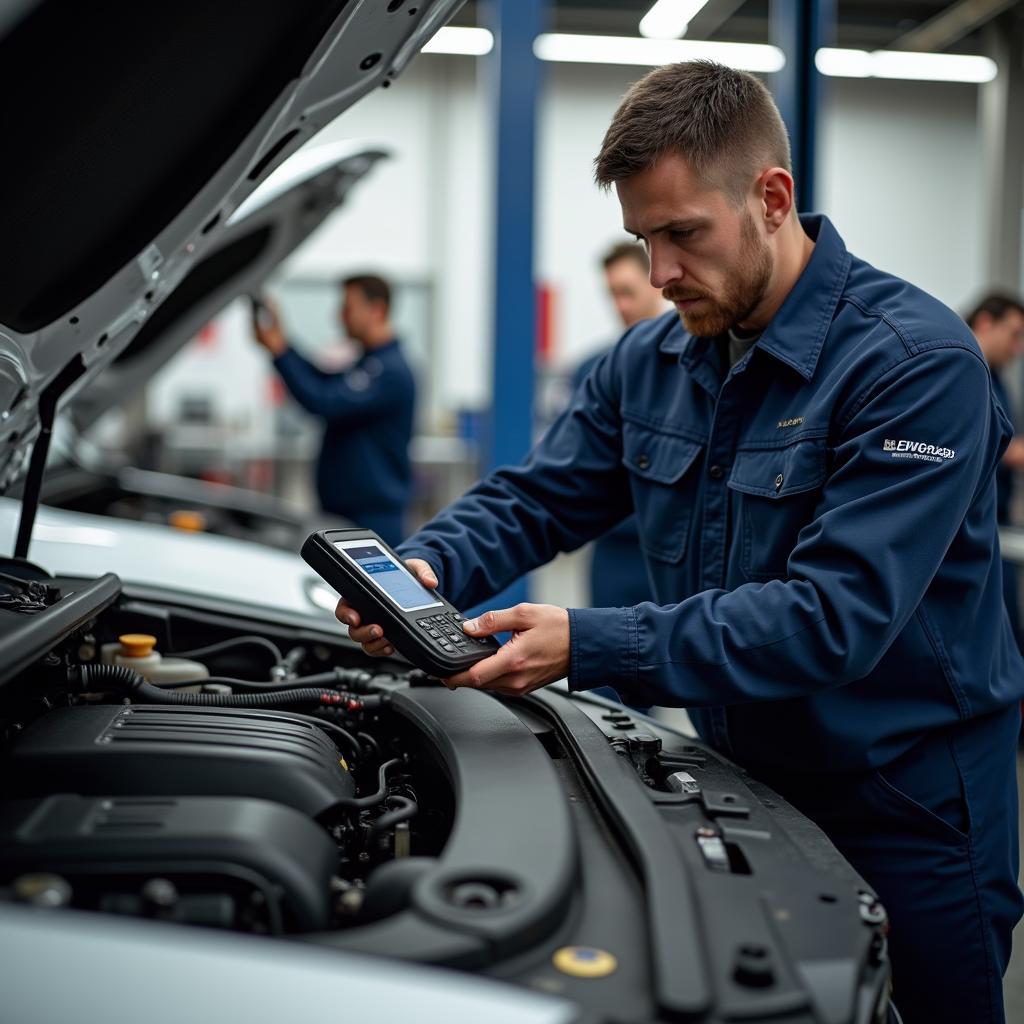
{"points": [[468, 42], [578, 49], [831, 61], [669, 19], [922, 67]]}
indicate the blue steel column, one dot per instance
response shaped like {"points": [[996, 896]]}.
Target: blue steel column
{"points": [[799, 28], [514, 84]]}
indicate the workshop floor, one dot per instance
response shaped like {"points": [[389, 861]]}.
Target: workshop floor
{"points": [[564, 583]]}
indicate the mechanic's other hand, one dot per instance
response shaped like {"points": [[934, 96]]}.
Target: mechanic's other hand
{"points": [[371, 635], [537, 654], [267, 329]]}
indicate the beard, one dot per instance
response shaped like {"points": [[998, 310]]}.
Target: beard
{"points": [[745, 287]]}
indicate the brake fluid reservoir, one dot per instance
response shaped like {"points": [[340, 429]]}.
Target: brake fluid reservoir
{"points": [[137, 651]]}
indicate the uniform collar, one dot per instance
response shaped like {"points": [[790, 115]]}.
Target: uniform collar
{"points": [[797, 332]]}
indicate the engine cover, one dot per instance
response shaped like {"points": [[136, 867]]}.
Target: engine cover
{"points": [[142, 750]]}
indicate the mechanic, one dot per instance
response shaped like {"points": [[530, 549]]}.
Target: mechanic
{"points": [[618, 575], [363, 471], [998, 324], [810, 449]]}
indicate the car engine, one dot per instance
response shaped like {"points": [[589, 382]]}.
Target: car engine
{"points": [[305, 792], [228, 816]]}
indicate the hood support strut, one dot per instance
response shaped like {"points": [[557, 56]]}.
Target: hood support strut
{"points": [[48, 401]]}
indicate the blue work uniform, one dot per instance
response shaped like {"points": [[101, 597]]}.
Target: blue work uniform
{"points": [[618, 573], [363, 471], [819, 525], [1005, 479]]}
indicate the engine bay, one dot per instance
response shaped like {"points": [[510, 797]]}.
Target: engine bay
{"points": [[216, 808], [303, 791]]}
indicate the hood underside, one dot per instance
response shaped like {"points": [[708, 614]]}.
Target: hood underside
{"points": [[264, 231], [133, 134]]}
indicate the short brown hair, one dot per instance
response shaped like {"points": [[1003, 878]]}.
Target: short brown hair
{"points": [[374, 288], [996, 305], [722, 121], [627, 251]]}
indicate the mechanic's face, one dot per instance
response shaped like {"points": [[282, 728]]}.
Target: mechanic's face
{"points": [[357, 313], [634, 298], [708, 256], [1002, 339]]}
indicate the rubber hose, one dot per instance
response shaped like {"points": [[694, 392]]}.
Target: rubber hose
{"points": [[122, 678], [404, 810]]}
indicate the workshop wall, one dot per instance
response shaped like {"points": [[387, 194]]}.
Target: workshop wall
{"points": [[900, 174]]}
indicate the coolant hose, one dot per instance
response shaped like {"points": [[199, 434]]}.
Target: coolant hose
{"points": [[126, 680]]}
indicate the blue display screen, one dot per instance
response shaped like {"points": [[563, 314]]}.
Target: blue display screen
{"points": [[388, 575]]}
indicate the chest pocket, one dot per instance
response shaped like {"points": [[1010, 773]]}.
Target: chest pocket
{"points": [[778, 490], [663, 488]]}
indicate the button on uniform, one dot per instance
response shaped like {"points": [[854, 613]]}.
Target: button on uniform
{"points": [[716, 472], [643, 462]]}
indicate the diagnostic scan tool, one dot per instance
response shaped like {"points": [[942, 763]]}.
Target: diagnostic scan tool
{"points": [[373, 579]]}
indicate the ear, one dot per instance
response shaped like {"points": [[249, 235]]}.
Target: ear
{"points": [[775, 193]]}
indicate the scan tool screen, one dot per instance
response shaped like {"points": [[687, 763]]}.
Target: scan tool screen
{"points": [[387, 575]]}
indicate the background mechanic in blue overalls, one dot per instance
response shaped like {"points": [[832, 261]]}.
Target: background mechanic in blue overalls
{"points": [[809, 446], [363, 471], [997, 322]]}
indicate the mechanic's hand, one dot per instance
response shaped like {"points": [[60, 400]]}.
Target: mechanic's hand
{"points": [[369, 634], [267, 329], [537, 654]]}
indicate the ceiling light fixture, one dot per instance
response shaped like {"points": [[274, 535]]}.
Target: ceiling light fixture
{"points": [[580, 49], [468, 42], [669, 19], [921, 67]]}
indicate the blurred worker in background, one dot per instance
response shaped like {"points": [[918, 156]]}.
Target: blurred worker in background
{"points": [[998, 324], [363, 472], [618, 573]]}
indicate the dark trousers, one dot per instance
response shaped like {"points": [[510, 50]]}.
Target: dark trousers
{"points": [[935, 834]]}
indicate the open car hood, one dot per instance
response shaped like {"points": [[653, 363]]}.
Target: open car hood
{"points": [[134, 134], [264, 231]]}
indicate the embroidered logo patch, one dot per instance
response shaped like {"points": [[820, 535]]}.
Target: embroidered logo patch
{"points": [[794, 422], [917, 450]]}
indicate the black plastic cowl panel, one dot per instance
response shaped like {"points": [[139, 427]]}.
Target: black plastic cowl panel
{"points": [[26, 638]]}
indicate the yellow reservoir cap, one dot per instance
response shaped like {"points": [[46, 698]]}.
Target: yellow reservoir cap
{"points": [[187, 520], [585, 962], [136, 645]]}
